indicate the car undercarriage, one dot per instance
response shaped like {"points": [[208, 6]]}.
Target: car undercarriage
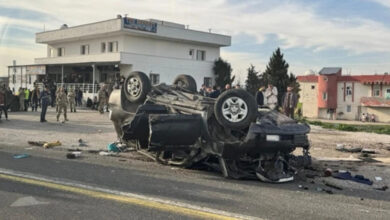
{"points": [[177, 126]]}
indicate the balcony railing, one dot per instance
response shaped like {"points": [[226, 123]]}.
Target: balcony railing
{"points": [[85, 87]]}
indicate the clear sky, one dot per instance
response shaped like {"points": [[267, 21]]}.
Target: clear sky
{"points": [[353, 34]]}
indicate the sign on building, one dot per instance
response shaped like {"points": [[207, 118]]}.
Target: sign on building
{"points": [[140, 25], [36, 70]]}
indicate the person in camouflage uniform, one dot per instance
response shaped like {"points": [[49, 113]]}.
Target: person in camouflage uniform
{"points": [[102, 95], [62, 101], [71, 100], [57, 91]]}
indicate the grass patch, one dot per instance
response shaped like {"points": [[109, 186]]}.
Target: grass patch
{"points": [[379, 129]]}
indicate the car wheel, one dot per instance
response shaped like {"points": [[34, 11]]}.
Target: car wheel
{"points": [[186, 82], [235, 109], [136, 87]]}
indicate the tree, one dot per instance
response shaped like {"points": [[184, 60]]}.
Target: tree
{"points": [[253, 81], [222, 71], [276, 74]]}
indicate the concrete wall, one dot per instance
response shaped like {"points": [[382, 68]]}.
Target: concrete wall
{"points": [[308, 98], [382, 114], [353, 100], [168, 68]]}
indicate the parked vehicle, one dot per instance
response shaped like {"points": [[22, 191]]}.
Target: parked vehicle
{"points": [[177, 126]]}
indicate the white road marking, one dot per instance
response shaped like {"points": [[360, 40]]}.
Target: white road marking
{"points": [[27, 201], [115, 192]]}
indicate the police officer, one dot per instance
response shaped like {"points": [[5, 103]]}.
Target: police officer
{"points": [[72, 100], [62, 103], [102, 98]]}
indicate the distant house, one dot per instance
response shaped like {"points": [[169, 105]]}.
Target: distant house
{"points": [[331, 95]]}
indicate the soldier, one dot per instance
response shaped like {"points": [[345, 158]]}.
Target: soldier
{"points": [[72, 100], [56, 92], [61, 102], [102, 98]]}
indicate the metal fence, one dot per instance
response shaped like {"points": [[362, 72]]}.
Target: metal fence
{"points": [[85, 87]]}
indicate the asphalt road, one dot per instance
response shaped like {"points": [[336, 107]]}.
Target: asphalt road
{"points": [[47, 186]]}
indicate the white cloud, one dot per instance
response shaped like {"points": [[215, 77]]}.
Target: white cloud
{"points": [[295, 25], [383, 2]]}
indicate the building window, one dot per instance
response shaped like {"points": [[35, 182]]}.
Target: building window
{"points": [[60, 52], [349, 91], [113, 46], [388, 94], [325, 78], [103, 47], [207, 81], [13, 79], [349, 108], [154, 78], [84, 49], [29, 79], [191, 53], [313, 87], [324, 96], [200, 55], [376, 91]]}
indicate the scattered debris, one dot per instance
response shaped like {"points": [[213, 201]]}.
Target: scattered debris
{"points": [[356, 178], [328, 172], [332, 185], [93, 151], [310, 175], [104, 153], [113, 148], [20, 156], [28, 148], [368, 151], [383, 188], [72, 150], [378, 178], [82, 143], [37, 143], [122, 160], [73, 155], [349, 149], [52, 144]]}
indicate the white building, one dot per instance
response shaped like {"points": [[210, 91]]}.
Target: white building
{"points": [[90, 54]]}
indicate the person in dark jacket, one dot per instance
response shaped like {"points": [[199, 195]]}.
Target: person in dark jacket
{"points": [[45, 101], [215, 93], [260, 97], [290, 101], [35, 97], [3, 103]]}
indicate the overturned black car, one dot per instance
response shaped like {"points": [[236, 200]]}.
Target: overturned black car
{"points": [[177, 126]]}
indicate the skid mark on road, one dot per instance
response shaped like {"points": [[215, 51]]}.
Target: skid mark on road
{"points": [[122, 197]]}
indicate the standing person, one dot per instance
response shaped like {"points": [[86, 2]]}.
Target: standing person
{"points": [[290, 100], [26, 98], [61, 102], [21, 96], [102, 98], [202, 90], [45, 98], [53, 93], [80, 97], [227, 87], [3, 103], [35, 97], [216, 92], [260, 97], [56, 92], [71, 100], [271, 94]]}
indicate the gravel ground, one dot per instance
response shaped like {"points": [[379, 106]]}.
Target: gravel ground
{"points": [[94, 128]]}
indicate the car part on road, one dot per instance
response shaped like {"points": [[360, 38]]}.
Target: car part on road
{"points": [[21, 156], [176, 126]]}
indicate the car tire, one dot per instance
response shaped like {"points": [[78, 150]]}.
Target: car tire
{"points": [[235, 109], [136, 87], [186, 82]]}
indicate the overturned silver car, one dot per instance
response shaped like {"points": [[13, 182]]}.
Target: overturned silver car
{"points": [[177, 126]]}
